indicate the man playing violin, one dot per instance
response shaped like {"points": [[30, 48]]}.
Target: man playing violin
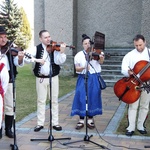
{"points": [[47, 58], [141, 52], [8, 98]]}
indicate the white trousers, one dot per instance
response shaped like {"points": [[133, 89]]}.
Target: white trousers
{"points": [[143, 103], [43, 92], [1, 111], [8, 100]]}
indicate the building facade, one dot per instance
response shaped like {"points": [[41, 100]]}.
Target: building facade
{"points": [[119, 20]]}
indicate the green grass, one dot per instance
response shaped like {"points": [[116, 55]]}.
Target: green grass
{"points": [[26, 91], [124, 123]]}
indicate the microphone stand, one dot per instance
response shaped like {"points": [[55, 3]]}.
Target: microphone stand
{"points": [[51, 137], [13, 146], [87, 137]]}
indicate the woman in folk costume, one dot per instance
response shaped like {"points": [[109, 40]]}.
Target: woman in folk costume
{"points": [[4, 79], [94, 91]]}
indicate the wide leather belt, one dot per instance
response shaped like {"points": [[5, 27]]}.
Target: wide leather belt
{"points": [[43, 76]]}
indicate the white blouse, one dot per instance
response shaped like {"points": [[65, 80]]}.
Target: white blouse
{"points": [[80, 60]]}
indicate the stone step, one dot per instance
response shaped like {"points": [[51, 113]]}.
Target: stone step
{"points": [[111, 69], [110, 83], [112, 62], [114, 58], [111, 72], [118, 51], [112, 77]]}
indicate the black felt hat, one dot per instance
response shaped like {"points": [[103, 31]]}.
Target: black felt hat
{"points": [[84, 37], [2, 30]]}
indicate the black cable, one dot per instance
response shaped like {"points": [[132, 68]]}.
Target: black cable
{"points": [[113, 144], [80, 146]]}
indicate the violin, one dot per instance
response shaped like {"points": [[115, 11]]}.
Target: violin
{"points": [[56, 46], [8, 48], [95, 53]]}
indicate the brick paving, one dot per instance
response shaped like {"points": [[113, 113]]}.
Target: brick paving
{"points": [[104, 134]]}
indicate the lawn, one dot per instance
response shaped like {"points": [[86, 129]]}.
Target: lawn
{"points": [[26, 92]]}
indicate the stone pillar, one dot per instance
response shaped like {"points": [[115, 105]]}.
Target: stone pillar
{"points": [[145, 23], [38, 19], [59, 21]]}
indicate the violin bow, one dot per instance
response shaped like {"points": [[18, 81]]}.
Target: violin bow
{"points": [[59, 34]]}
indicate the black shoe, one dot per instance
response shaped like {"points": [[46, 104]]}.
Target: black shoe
{"points": [[143, 131], [8, 126], [57, 128], [128, 133], [1, 133], [9, 133], [38, 128]]}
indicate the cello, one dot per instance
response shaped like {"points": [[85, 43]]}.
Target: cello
{"points": [[128, 89]]}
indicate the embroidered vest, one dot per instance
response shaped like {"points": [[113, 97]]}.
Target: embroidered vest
{"points": [[39, 55]]}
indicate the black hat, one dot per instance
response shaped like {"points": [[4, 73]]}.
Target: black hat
{"points": [[84, 37], [2, 30]]}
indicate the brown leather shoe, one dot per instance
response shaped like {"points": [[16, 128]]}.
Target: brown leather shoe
{"points": [[91, 125], [79, 126]]}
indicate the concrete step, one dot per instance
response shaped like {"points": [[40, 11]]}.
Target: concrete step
{"points": [[111, 72], [118, 51], [113, 62], [112, 77], [110, 83], [114, 58], [111, 69]]}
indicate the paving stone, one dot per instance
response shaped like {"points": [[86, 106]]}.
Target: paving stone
{"points": [[102, 135]]}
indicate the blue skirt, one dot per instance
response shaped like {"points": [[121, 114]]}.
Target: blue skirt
{"points": [[92, 98]]}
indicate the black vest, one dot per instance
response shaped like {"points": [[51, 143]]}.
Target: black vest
{"points": [[13, 69], [39, 55]]}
